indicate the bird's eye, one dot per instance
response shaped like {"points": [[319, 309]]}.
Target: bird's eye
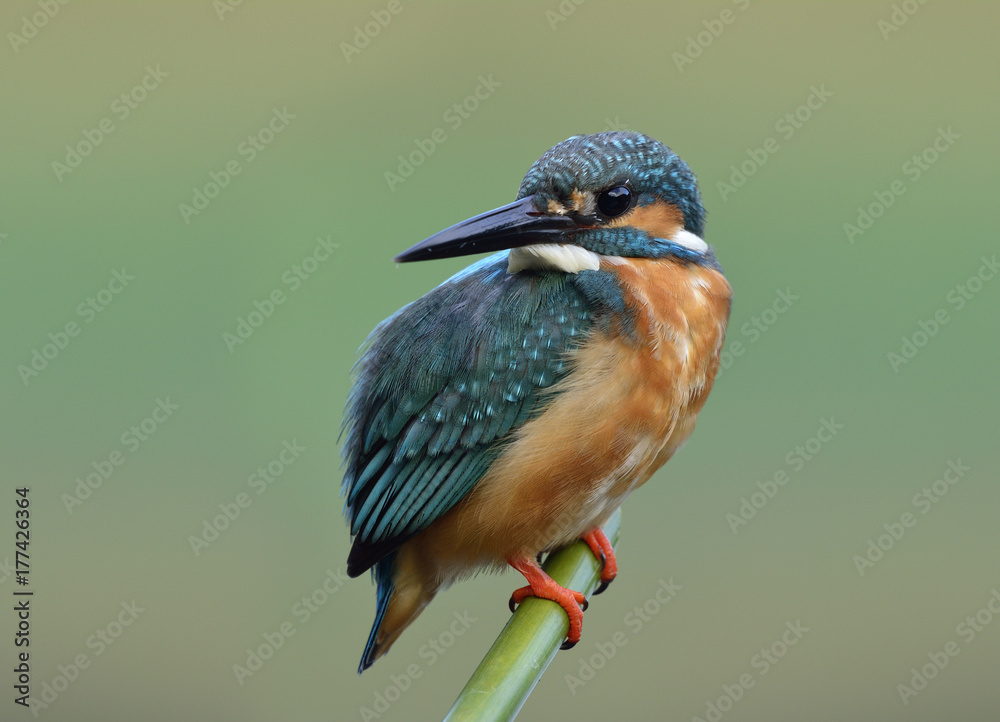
{"points": [[612, 203]]}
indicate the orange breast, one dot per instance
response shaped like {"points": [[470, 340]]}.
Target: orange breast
{"points": [[666, 370], [680, 312], [628, 405]]}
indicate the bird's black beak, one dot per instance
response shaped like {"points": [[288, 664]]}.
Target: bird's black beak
{"points": [[517, 224]]}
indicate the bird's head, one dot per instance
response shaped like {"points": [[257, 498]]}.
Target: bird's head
{"points": [[608, 194]]}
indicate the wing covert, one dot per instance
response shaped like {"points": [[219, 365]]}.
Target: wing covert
{"points": [[439, 386]]}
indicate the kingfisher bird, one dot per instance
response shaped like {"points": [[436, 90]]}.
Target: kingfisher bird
{"points": [[512, 409]]}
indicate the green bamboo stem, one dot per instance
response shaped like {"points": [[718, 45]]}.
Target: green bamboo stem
{"points": [[526, 646]]}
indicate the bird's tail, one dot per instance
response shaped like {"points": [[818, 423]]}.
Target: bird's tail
{"points": [[400, 597]]}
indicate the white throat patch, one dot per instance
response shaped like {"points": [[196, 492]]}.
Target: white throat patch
{"points": [[553, 256]]}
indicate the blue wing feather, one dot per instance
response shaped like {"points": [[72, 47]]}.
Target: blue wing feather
{"points": [[439, 386]]}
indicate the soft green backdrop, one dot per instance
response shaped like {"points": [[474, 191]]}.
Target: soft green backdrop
{"points": [[880, 94]]}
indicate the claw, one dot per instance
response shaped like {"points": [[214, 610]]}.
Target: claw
{"points": [[601, 547], [599, 553]]}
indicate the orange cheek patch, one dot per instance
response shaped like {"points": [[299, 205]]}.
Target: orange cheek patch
{"points": [[659, 219]]}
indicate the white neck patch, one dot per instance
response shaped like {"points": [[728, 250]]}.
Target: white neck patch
{"points": [[573, 259], [553, 256], [689, 241]]}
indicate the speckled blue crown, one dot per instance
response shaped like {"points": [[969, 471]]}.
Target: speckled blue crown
{"points": [[603, 160]]}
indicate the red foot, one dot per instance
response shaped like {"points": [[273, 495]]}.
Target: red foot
{"points": [[600, 545], [541, 585]]}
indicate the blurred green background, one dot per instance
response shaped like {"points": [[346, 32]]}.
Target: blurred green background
{"points": [[823, 106]]}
